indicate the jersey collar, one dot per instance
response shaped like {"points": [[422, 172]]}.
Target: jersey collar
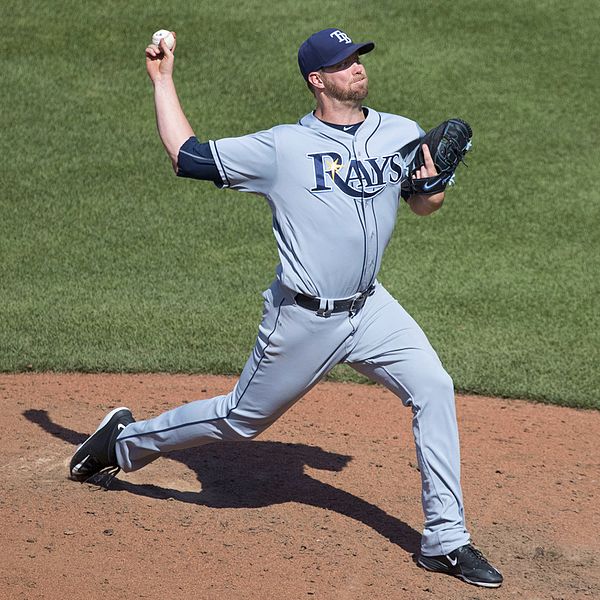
{"points": [[367, 127]]}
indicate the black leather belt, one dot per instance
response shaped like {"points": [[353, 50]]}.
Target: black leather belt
{"points": [[349, 305]]}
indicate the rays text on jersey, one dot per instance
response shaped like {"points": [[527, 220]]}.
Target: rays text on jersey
{"points": [[357, 178]]}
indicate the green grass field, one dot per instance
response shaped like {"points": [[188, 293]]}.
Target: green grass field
{"points": [[110, 263]]}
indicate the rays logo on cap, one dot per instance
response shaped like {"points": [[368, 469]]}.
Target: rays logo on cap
{"points": [[327, 48], [341, 36]]}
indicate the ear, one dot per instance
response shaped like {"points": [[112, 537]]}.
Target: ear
{"points": [[315, 79]]}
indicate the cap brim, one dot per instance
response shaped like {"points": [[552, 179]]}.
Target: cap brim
{"points": [[349, 51]]}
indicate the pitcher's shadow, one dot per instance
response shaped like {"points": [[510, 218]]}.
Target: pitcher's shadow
{"points": [[256, 474]]}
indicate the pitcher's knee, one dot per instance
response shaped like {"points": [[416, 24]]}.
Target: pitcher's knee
{"points": [[436, 386], [242, 430], [445, 382]]}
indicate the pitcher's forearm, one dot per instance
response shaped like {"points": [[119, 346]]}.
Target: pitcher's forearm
{"points": [[423, 204], [173, 126]]}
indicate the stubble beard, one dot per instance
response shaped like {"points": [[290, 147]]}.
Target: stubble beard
{"points": [[352, 94]]}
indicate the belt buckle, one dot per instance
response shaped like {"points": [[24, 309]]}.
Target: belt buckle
{"points": [[353, 308], [361, 300]]}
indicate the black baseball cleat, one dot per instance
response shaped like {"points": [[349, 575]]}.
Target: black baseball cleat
{"points": [[466, 563], [97, 454]]}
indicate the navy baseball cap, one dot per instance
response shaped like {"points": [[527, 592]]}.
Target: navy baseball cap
{"points": [[327, 48]]}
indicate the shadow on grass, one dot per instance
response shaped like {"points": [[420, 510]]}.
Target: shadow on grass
{"points": [[255, 474]]}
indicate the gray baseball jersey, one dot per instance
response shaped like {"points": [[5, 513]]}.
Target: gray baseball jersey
{"points": [[334, 197]]}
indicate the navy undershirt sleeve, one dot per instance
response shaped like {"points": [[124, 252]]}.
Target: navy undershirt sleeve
{"points": [[195, 160]]}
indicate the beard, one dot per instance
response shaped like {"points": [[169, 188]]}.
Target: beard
{"points": [[351, 93]]}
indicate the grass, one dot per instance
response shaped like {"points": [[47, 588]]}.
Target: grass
{"points": [[110, 263]]}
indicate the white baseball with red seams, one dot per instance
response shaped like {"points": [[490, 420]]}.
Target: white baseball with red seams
{"points": [[167, 35]]}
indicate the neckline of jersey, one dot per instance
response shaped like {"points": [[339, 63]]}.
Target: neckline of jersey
{"points": [[312, 122], [349, 128]]}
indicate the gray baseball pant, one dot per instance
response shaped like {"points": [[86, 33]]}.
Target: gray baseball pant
{"points": [[295, 348]]}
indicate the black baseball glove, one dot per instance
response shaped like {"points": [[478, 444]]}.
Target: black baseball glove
{"points": [[448, 143]]}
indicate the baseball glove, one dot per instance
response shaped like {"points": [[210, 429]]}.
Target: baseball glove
{"points": [[448, 143]]}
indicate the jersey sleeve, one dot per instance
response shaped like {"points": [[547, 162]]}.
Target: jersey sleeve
{"points": [[247, 163], [195, 160], [408, 153]]}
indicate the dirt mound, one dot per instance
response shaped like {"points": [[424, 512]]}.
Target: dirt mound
{"points": [[324, 504]]}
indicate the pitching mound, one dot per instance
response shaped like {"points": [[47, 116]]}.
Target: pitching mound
{"points": [[325, 504]]}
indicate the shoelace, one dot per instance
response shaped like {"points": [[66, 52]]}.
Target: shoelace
{"points": [[477, 553], [103, 478]]}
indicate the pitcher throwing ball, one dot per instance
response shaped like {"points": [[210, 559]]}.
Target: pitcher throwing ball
{"points": [[334, 181]]}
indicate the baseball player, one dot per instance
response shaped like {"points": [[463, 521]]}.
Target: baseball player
{"points": [[333, 181]]}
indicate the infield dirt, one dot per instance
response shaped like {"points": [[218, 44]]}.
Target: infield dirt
{"points": [[324, 504]]}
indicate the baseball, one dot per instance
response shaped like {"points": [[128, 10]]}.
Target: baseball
{"points": [[167, 35]]}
